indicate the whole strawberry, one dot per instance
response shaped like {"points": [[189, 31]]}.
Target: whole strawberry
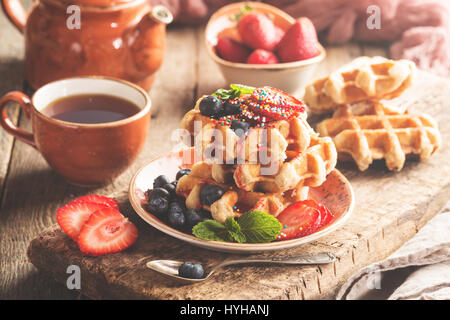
{"points": [[258, 31], [261, 56], [231, 50], [300, 42]]}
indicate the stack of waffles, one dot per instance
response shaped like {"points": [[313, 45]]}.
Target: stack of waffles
{"points": [[362, 127], [268, 167]]}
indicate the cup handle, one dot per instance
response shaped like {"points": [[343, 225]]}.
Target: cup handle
{"points": [[7, 124]]}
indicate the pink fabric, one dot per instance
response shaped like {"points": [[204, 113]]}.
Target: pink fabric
{"points": [[419, 29]]}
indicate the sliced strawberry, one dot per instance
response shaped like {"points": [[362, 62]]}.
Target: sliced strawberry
{"points": [[326, 216], [299, 220], [106, 231], [277, 98], [110, 202], [73, 215]]}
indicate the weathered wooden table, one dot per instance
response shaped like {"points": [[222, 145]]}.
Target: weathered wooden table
{"points": [[30, 192]]}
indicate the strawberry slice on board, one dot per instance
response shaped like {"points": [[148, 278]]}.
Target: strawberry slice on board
{"points": [[299, 219], [326, 215], [110, 202], [73, 215], [106, 231]]}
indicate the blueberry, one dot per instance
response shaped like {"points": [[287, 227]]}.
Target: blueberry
{"points": [[176, 218], [231, 108], [211, 106], [160, 192], [193, 217], [170, 188], [210, 194], [191, 270], [158, 202], [160, 181], [182, 172], [239, 127]]}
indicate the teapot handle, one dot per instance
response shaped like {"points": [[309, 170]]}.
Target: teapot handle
{"points": [[16, 13]]}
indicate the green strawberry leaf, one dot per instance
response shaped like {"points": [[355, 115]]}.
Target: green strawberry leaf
{"points": [[259, 227], [244, 10]]}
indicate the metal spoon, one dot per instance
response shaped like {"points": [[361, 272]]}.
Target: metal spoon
{"points": [[170, 267]]}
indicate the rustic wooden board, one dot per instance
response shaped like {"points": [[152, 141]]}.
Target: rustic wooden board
{"points": [[390, 209]]}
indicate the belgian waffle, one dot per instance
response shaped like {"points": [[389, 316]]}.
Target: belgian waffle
{"points": [[369, 130], [362, 79], [307, 168], [234, 202], [272, 141]]}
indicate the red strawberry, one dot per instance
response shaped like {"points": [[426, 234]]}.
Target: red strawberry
{"points": [[261, 56], [300, 42], [279, 34], [326, 215], [106, 231], [230, 50], [73, 215], [274, 104], [299, 220], [110, 202], [258, 32]]}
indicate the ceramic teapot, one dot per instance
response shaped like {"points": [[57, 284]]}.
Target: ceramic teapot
{"points": [[66, 38]]}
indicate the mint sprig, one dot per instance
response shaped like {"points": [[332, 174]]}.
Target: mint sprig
{"points": [[235, 91], [259, 227], [251, 227]]}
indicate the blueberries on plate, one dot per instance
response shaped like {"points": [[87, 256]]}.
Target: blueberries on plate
{"points": [[211, 106], [191, 270], [231, 108], [182, 172], [158, 201], [239, 127], [210, 194], [170, 188], [193, 217], [160, 181], [176, 215]]}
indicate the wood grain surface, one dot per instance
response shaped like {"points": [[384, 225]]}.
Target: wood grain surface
{"points": [[390, 207]]}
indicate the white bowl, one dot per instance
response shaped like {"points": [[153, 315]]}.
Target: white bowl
{"points": [[289, 77]]}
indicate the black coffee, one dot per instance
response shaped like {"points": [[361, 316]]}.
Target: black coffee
{"points": [[90, 109]]}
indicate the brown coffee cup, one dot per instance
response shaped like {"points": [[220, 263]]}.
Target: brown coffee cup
{"points": [[84, 154]]}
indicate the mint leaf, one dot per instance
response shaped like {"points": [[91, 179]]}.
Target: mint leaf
{"points": [[211, 230], [235, 92], [259, 226], [234, 230], [243, 89]]}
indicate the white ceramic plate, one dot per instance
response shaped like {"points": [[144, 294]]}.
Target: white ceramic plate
{"points": [[335, 193]]}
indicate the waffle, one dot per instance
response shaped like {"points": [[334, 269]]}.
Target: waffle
{"points": [[364, 78], [234, 201], [259, 146], [369, 130], [307, 168]]}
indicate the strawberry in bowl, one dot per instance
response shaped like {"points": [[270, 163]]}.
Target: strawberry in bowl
{"points": [[258, 44]]}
